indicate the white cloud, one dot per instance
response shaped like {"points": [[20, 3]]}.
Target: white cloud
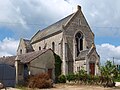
{"points": [[105, 14], [11, 15], [108, 51], [8, 47], [25, 17], [100, 13]]}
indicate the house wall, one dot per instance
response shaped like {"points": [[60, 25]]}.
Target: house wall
{"points": [[21, 47], [80, 65], [42, 63], [48, 42], [77, 23], [74, 27], [21, 72]]}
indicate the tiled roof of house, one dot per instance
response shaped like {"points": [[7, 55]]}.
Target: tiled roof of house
{"points": [[52, 29], [24, 58], [10, 60], [28, 57]]}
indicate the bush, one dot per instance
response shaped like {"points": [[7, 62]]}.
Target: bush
{"points": [[109, 73], [71, 77], [40, 81], [118, 78], [62, 79], [96, 79]]}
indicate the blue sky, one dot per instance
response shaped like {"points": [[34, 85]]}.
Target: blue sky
{"points": [[22, 19]]}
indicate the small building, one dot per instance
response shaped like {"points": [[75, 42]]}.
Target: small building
{"points": [[33, 63]]}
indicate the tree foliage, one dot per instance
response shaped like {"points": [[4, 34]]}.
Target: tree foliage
{"points": [[108, 73], [62, 79]]}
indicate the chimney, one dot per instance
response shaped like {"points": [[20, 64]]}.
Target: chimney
{"points": [[78, 7]]}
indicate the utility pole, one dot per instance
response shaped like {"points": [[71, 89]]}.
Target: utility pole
{"points": [[113, 60]]}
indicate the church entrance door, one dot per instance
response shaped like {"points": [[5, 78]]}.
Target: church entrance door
{"points": [[50, 73], [92, 68]]}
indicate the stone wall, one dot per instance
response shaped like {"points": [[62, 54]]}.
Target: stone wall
{"points": [[77, 24], [48, 42], [21, 47], [42, 63], [80, 65]]}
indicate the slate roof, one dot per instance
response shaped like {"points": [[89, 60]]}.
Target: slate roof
{"points": [[82, 55], [28, 57], [28, 45], [10, 60], [52, 29], [24, 58]]}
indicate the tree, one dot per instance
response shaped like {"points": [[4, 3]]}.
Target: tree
{"points": [[108, 73]]}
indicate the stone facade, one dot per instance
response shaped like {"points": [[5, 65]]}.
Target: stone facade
{"points": [[72, 39]]}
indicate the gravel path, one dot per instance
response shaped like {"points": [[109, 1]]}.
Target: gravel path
{"points": [[117, 84], [73, 87], [80, 87]]}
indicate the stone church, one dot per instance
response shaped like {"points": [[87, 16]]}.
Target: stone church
{"points": [[72, 39]]}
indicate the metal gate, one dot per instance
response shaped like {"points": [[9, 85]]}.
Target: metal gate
{"points": [[7, 75]]}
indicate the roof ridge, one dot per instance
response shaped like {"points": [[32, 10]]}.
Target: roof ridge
{"points": [[57, 21], [43, 51], [55, 27], [26, 39]]}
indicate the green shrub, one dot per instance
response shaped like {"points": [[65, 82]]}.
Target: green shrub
{"points": [[117, 80], [40, 81], [62, 79], [81, 75], [71, 77], [58, 62], [109, 73]]}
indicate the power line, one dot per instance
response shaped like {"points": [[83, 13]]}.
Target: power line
{"points": [[112, 27], [107, 26], [37, 24], [13, 23]]}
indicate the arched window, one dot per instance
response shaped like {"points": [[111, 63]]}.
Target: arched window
{"points": [[53, 46], [20, 51], [79, 42], [79, 22], [39, 48]]}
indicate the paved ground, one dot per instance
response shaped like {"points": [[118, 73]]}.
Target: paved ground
{"points": [[117, 84], [81, 87], [73, 87], [9, 88]]}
